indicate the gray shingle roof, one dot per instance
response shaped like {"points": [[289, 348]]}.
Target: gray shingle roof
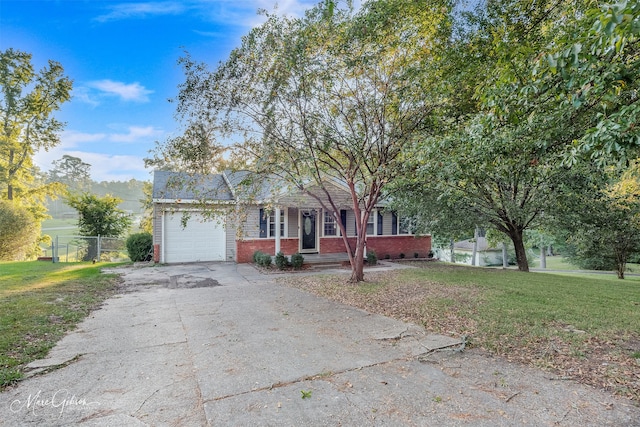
{"points": [[183, 186]]}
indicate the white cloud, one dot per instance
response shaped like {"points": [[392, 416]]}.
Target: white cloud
{"points": [[127, 92], [244, 13], [104, 166], [71, 138], [141, 10], [83, 94], [136, 133], [113, 167]]}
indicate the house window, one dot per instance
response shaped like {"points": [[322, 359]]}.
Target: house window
{"points": [[370, 223], [330, 226], [268, 224], [272, 224], [404, 225]]}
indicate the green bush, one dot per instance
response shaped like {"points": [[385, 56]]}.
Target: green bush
{"points": [[372, 259], [296, 260], [19, 232], [281, 261], [264, 260], [256, 256], [139, 246]]}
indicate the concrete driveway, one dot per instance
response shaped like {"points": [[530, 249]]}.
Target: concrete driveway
{"points": [[221, 344]]}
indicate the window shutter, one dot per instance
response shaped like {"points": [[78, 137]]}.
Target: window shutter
{"points": [[394, 223], [263, 224], [343, 218], [379, 223]]}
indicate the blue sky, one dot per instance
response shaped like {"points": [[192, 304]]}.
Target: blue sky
{"points": [[122, 58]]}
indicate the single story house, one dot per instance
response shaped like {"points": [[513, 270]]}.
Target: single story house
{"points": [[269, 219]]}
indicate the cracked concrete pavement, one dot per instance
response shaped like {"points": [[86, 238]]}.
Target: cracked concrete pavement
{"points": [[222, 344]]}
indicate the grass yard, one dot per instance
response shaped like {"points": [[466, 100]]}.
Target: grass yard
{"points": [[558, 262], [583, 328], [53, 224], [39, 303]]}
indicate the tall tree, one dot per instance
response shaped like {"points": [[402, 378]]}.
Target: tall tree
{"points": [[99, 216], [499, 156], [72, 172], [600, 216], [333, 96], [27, 124]]}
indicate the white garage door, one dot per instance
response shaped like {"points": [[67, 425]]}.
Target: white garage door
{"points": [[200, 240]]}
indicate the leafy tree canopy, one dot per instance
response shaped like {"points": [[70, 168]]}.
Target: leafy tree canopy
{"points": [[333, 96], [99, 216], [19, 230], [28, 102]]}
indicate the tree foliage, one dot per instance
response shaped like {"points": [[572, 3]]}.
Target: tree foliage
{"points": [[334, 96], [592, 68], [497, 157], [72, 172], [99, 216], [28, 102], [600, 217], [19, 230], [195, 151]]}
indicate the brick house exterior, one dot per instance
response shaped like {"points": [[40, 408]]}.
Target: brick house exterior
{"points": [[271, 219]]}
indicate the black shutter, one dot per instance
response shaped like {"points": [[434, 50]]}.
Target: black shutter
{"points": [[263, 224], [394, 223], [379, 223], [343, 219]]}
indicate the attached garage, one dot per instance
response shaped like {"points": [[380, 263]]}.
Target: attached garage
{"points": [[200, 240]]}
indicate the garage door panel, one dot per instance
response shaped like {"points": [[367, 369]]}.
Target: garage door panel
{"points": [[200, 240]]}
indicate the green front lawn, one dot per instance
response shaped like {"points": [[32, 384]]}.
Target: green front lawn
{"points": [[585, 328], [39, 303]]}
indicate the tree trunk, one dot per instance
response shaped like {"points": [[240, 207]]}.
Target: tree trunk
{"points": [[10, 180], [505, 257], [475, 247], [357, 262], [621, 263], [453, 255], [521, 252], [543, 257]]}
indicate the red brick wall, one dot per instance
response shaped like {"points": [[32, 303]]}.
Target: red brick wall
{"points": [[395, 245], [335, 245], [381, 245], [246, 248]]}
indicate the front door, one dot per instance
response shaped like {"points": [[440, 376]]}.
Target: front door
{"points": [[309, 231]]}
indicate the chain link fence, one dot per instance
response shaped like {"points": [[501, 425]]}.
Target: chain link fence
{"points": [[86, 248]]}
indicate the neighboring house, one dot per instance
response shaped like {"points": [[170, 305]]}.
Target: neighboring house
{"points": [[463, 252], [269, 219]]}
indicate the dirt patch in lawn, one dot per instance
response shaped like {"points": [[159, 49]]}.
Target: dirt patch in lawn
{"points": [[452, 310]]}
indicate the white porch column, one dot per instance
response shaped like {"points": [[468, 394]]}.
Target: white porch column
{"points": [[277, 227]]}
